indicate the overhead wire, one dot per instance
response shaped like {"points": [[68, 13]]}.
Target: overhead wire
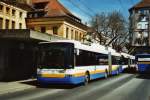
{"points": [[85, 5], [132, 2], [122, 6], [76, 5]]}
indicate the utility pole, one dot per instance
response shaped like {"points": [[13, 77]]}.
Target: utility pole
{"points": [[109, 54]]}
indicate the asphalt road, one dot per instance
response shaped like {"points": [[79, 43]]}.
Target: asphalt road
{"points": [[122, 87]]}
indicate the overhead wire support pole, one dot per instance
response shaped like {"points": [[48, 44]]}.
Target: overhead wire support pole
{"points": [[109, 53]]}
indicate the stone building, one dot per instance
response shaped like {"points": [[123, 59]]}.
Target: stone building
{"points": [[16, 50], [12, 14], [140, 26], [51, 17]]}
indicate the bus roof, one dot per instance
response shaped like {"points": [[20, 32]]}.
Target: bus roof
{"points": [[127, 55], [94, 47], [145, 54]]}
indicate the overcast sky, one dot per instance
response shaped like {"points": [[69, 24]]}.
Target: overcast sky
{"points": [[85, 8]]}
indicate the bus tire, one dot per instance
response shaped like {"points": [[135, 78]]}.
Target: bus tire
{"points": [[86, 78]]}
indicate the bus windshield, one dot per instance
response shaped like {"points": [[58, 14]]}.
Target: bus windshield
{"points": [[143, 58], [56, 55]]}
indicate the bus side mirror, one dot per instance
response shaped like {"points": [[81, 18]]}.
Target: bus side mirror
{"points": [[77, 51]]}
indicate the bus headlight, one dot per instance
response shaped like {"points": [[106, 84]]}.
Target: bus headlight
{"points": [[38, 71]]}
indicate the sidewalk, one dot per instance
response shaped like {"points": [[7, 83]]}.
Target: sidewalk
{"points": [[10, 87]]}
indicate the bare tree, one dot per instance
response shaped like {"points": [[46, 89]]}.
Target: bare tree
{"points": [[100, 24], [110, 25]]}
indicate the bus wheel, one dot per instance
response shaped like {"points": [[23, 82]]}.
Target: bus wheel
{"points": [[86, 78]]}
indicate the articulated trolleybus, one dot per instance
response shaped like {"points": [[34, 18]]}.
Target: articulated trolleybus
{"points": [[128, 62], [143, 63], [71, 62]]}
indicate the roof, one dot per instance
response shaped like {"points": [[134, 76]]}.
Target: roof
{"points": [[39, 1], [54, 8], [27, 35], [19, 5], [142, 4]]}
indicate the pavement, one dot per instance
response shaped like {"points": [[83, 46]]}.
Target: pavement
{"points": [[16, 86]]}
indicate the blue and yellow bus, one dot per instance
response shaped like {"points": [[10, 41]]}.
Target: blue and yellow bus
{"points": [[71, 62], [143, 63]]}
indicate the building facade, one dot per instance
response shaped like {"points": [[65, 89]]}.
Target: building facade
{"points": [[140, 25], [139, 21], [52, 17], [12, 15]]}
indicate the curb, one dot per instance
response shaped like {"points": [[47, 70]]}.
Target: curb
{"points": [[13, 90], [17, 86]]}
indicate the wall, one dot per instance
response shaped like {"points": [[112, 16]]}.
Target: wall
{"points": [[16, 17], [17, 60], [74, 32]]}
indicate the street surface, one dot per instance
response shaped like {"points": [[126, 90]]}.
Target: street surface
{"points": [[122, 87]]}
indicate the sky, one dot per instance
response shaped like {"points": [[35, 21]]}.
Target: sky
{"points": [[84, 9]]}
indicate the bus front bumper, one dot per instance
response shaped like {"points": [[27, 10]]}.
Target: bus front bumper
{"points": [[65, 80]]}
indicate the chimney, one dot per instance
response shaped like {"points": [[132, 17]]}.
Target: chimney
{"points": [[29, 2]]}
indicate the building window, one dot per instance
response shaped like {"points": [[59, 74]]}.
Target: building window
{"points": [[55, 30], [7, 10], [43, 29], [1, 23], [7, 24], [13, 12], [30, 15], [20, 25], [76, 35], [139, 26], [1, 7], [35, 15], [146, 12], [80, 36], [32, 28], [20, 14], [72, 34], [67, 32], [13, 24], [146, 26]]}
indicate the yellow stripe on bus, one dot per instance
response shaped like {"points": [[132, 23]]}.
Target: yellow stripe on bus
{"points": [[114, 68], [53, 75], [143, 62], [97, 71], [79, 74]]}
